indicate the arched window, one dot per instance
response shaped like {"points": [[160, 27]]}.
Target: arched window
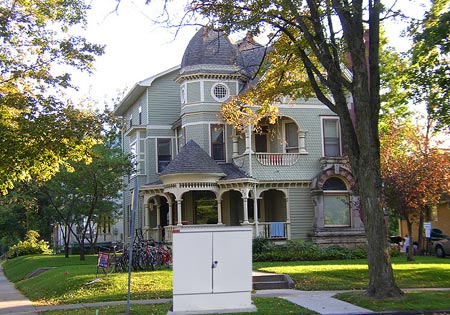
{"points": [[336, 203]]}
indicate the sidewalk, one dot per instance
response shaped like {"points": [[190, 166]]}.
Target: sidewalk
{"points": [[12, 302], [321, 302]]}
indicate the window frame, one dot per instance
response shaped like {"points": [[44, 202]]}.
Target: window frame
{"points": [[214, 144], [159, 160], [339, 137], [224, 97], [286, 148], [342, 195]]}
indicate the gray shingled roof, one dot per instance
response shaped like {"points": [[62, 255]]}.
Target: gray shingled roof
{"points": [[209, 47], [232, 171], [192, 159], [251, 54]]}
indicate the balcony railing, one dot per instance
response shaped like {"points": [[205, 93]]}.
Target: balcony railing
{"points": [[277, 159]]}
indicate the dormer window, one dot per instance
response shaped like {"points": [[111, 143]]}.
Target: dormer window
{"points": [[220, 92]]}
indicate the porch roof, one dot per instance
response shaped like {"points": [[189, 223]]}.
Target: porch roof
{"points": [[192, 159]]}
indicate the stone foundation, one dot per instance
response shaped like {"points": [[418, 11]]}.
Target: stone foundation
{"points": [[349, 238]]}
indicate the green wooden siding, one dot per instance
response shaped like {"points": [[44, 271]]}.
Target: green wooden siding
{"points": [[164, 100], [302, 212]]}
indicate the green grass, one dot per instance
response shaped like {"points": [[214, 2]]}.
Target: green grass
{"points": [[68, 282], [411, 301], [265, 306], [353, 274]]}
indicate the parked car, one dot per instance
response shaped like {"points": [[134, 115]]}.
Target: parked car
{"points": [[440, 243]]}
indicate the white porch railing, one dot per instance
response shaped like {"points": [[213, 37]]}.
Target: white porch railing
{"points": [[268, 230], [277, 159]]}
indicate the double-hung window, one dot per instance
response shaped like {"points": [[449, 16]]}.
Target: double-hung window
{"points": [[291, 137], [164, 153], [331, 137], [218, 142]]}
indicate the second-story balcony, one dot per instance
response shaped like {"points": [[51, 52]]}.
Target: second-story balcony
{"points": [[277, 159]]}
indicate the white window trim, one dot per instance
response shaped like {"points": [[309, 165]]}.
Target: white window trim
{"points": [[183, 93], [322, 132], [156, 150], [227, 92], [289, 121], [224, 140]]}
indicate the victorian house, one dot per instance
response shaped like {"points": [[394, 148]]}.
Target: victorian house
{"points": [[288, 180]]}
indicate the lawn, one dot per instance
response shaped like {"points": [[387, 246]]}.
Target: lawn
{"points": [[265, 306], [72, 281], [425, 271]]}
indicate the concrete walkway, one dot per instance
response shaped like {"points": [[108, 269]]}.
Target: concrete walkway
{"points": [[12, 302], [321, 302]]}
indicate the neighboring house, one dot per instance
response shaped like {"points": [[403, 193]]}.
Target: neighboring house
{"points": [[438, 216], [108, 232], [290, 180]]}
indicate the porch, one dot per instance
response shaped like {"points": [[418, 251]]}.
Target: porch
{"points": [[276, 231]]}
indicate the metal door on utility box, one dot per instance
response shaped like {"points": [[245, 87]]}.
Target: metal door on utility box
{"points": [[212, 262]]}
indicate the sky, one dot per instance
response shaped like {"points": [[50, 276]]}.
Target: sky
{"points": [[136, 48]]}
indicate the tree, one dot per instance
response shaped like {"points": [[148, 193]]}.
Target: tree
{"points": [[415, 173], [39, 129], [319, 41], [429, 69], [21, 210], [88, 189]]}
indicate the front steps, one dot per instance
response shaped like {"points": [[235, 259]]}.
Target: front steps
{"points": [[270, 281]]}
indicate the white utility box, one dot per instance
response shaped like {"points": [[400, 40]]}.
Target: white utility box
{"points": [[212, 270]]}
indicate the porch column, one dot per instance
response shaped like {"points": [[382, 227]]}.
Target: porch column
{"points": [[147, 214], [158, 215], [179, 211], [169, 202], [288, 218], [235, 139], [245, 210], [302, 142], [219, 211]]}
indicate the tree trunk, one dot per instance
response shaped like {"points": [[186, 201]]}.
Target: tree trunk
{"points": [[420, 233], [381, 283], [82, 254]]}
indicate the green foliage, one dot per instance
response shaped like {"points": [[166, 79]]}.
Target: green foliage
{"points": [[86, 191], [429, 69], [261, 245], [264, 250], [31, 245], [39, 127]]}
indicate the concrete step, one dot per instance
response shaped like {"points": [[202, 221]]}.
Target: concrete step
{"points": [[269, 277], [263, 281]]}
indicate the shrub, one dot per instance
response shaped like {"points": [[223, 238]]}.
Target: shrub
{"points": [[261, 245], [304, 251], [31, 245]]}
